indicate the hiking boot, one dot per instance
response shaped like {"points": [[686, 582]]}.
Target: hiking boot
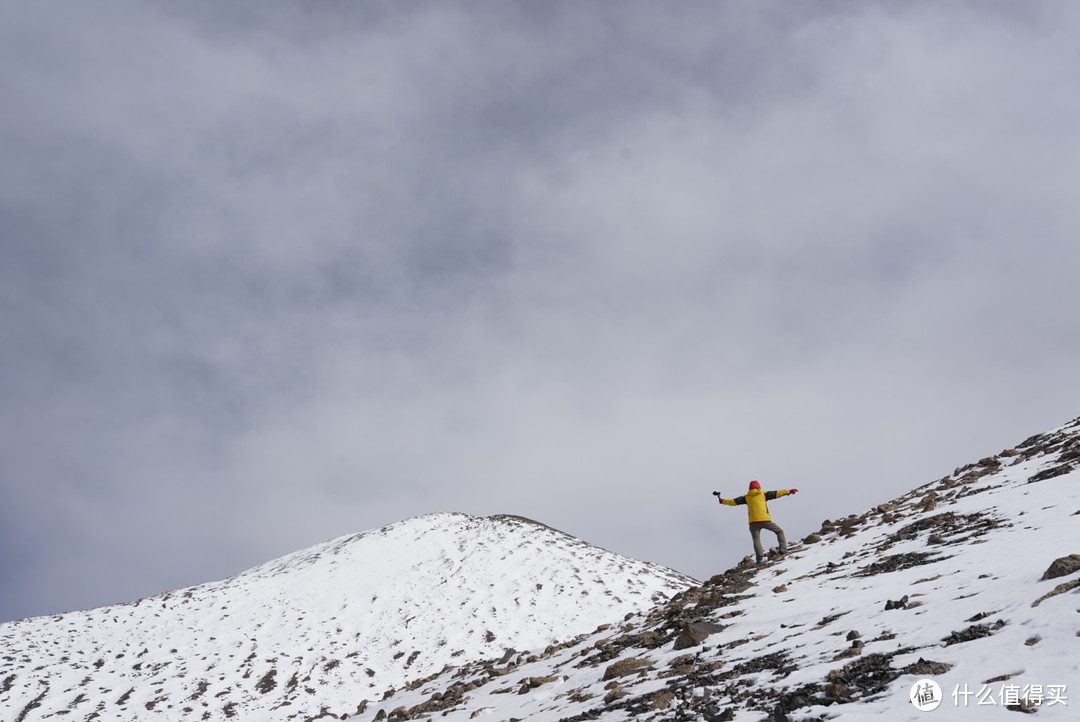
{"points": [[783, 550], [760, 560]]}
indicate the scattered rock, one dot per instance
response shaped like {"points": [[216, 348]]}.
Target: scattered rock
{"points": [[925, 668], [947, 527], [866, 676], [1024, 706], [825, 621], [975, 631], [812, 539], [852, 635], [532, 683], [1059, 589], [661, 700], [1062, 566], [850, 527], [694, 633], [1000, 678], [1051, 473], [267, 683], [853, 651], [624, 667], [780, 589], [900, 603], [897, 562], [649, 640]]}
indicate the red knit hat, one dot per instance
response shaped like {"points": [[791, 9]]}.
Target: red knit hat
{"points": [[755, 485]]}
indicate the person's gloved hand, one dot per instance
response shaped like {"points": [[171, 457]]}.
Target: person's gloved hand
{"points": [[794, 491]]}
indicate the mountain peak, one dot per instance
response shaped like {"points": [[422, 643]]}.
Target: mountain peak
{"points": [[350, 618]]}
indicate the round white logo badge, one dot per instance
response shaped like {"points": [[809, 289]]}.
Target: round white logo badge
{"points": [[925, 695]]}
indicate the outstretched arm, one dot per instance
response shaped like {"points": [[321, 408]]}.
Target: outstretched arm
{"points": [[770, 495]]}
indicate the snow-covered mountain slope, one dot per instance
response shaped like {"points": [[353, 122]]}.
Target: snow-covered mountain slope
{"points": [[324, 628], [971, 581], [953, 582]]}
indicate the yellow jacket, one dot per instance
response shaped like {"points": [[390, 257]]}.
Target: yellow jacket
{"points": [[755, 503]]}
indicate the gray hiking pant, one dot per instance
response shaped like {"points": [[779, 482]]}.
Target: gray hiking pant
{"points": [[755, 532]]}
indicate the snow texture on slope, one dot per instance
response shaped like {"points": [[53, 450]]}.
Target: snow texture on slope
{"points": [[328, 626], [944, 583]]}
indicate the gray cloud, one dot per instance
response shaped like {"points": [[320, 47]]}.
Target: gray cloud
{"points": [[271, 277]]}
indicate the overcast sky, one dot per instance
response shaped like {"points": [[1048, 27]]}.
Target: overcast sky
{"points": [[275, 272]]}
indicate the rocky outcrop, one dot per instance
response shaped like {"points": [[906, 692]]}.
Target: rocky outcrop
{"points": [[1062, 567], [925, 668], [975, 631], [626, 666], [1059, 589], [694, 633]]}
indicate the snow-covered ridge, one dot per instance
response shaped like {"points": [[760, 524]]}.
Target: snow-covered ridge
{"points": [[334, 624], [972, 581]]}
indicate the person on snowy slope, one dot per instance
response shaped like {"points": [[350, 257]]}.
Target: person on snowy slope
{"points": [[758, 512]]}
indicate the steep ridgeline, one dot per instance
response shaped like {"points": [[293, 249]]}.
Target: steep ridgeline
{"points": [[969, 581], [324, 628]]}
